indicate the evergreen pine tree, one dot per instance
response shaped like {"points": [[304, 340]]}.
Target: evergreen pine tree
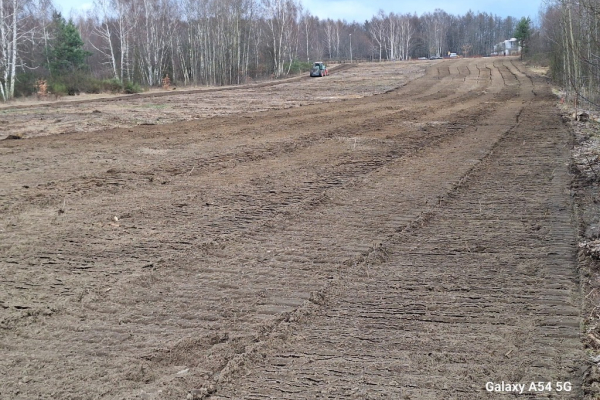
{"points": [[522, 33], [66, 53]]}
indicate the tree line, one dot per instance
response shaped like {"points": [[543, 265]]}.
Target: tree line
{"points": [[569, 39], [123, 43]]}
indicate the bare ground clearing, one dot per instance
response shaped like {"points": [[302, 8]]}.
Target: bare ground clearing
{"points": [[415, 243], [89, 113]]}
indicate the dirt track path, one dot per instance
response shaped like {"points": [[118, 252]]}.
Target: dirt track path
{"points": [[413, 244]]}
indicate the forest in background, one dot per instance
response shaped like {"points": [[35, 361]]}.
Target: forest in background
{"points": [[123, 45], [126, 43], [569, 39]]}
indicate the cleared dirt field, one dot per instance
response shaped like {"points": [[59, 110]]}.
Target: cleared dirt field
{"points": [[405, 234], [88, 113]]}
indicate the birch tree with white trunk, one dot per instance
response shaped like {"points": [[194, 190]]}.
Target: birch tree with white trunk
{"points": [[280, 16], [11, 34], [105, 30], [377, 31], [154, 27]]}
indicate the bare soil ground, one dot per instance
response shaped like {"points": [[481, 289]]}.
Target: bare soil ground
{"points": [[408, 233], [89, 113]]}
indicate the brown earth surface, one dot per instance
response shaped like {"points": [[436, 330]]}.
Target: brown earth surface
{"points": [[408, 233], [88, 113]]}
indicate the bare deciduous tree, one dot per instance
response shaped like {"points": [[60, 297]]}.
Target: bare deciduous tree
{"points": [[281, 19], [572, 29], [12, 32]]}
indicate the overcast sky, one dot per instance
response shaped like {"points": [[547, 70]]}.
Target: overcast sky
{"points": [[361, 10]]}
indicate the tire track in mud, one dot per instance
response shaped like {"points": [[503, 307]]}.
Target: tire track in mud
{"points": [[288, 256], [201, 270], [361, 117], [483, 288], [369, 167], [347, 167], [395, 223]]}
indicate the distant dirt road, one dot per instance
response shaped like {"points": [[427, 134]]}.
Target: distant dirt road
{"points": [[414, 244]]}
